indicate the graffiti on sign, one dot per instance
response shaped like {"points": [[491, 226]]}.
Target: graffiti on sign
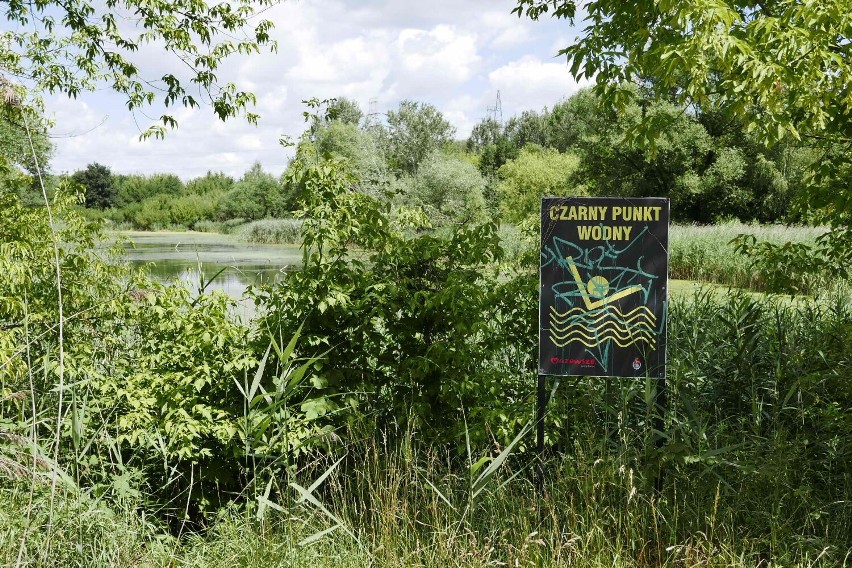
{"points": [[604, 283]]}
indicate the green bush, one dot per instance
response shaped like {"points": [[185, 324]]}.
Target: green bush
{"points": [[270, 231], [187, 210], [163, 211], [137, 188], [449, 189], [535, 173], [210, 184], [257, 195], [417, 322], [187, 409], [145, 389]]}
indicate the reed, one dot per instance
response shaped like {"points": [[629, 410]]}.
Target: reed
{"points": [[705, 253], [270, 231]]}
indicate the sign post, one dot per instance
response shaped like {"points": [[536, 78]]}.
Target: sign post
{"points": [[603, 303]]}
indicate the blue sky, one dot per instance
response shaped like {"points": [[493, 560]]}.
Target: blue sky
{"points": [[453, 54]]}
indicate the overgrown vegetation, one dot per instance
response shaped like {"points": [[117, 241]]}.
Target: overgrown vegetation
{"points": [[377, 411], [709, 253], [711, 166]]}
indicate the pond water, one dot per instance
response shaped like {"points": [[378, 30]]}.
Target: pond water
{"points": [[219, 261]]}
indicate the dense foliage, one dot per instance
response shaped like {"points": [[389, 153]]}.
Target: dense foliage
{"points": [[377, 302], [779, 69], [390, 335], [395, 371], [710, 166]]}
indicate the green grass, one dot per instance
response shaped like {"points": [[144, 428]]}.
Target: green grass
{"points": [[74, 529], [401, 505], [704, 253]]}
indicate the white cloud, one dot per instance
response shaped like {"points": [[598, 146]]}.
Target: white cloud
{"points": [[529, 83], [439, 54], [511, 37], [504, 30], [454, 55]]}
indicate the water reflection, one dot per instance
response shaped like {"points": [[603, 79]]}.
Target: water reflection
{"points": [[207, 260]]}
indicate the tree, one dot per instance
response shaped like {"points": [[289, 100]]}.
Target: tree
{"points": [[69, 47], [100, 188], [210, 184], [448, 188], [341, 139], [783, 68], [137, 188], [345, 110], [414, 131], [22, 149], [257, 195], [576, 119], [614, 164], [534, 173], [15, 146], [528, 128], [705, 162], [493, 148], [484, 133]]}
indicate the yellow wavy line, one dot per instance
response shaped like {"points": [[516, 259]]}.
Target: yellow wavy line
{"points": [[608, 309], [568, 313], [621, 334], [639, 319], [565, 326], [600, 311], [601, 340], [598, 337]]}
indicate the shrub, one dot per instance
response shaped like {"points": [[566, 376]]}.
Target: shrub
{"points": [[447, 188], [536, 172], [414, 322], [257, 195], [271, 231], [137, 188]]}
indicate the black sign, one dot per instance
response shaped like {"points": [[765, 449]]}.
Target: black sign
{"points": [[604, 286]]}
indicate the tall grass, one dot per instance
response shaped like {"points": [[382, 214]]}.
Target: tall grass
{"points": [[80, 531], [704, 253], [756, 463], [270, 231], [757, 473]]}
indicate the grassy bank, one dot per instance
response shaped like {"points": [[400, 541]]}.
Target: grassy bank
{"points": [[270, 231], [699, 253]]}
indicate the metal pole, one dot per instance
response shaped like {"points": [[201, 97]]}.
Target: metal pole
{"points": [[541, 407], [660, 408]]}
